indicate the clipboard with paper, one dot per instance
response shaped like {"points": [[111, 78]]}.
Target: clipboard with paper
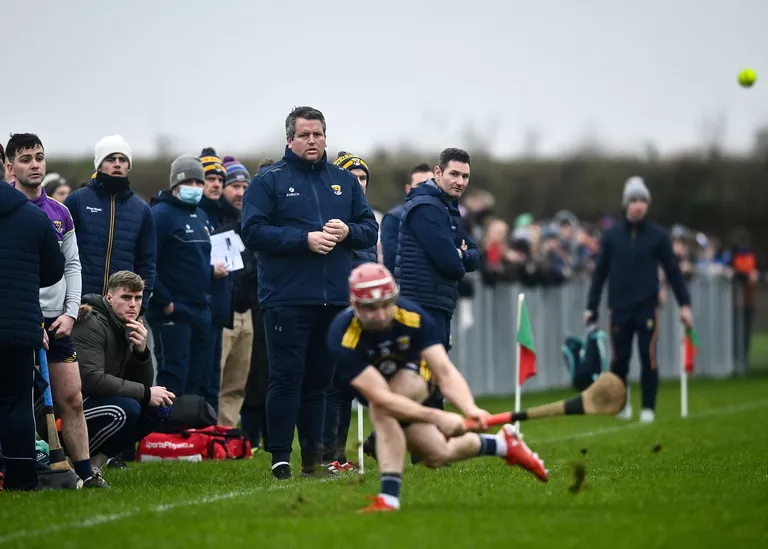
{"points": [[226, 248]]}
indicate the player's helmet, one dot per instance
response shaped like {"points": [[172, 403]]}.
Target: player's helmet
{"points": [[371, 283]]}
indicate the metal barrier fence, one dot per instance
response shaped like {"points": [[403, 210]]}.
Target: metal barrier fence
{"points": [[484, 334]]}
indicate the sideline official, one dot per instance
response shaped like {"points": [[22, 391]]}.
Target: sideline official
{"points": [[304, 217]]}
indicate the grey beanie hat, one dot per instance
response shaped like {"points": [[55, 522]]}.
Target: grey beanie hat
{"points": [[635, 189], [186, 167]]}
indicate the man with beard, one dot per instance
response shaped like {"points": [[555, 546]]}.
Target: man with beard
{"points": [[389, 351], [59, 303], [221, 288], [433, 250], [237, 340], [30, 246]]}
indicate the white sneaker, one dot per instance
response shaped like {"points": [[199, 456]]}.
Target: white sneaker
{"points": [[647, 416], [626, 412]]}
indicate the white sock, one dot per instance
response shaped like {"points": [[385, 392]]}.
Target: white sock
{"points": [[493, 445], [501, 445], [392, 501]]}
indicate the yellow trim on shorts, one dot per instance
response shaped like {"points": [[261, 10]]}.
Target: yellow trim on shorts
{"points": [[424, 372]]}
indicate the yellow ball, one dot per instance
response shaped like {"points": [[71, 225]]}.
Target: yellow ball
{"points": [[747, 78]]}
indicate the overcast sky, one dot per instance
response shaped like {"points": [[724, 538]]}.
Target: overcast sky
{"points": [[401, 72]]}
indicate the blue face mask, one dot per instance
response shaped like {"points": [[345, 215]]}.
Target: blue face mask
{"points": [[189, 194]]}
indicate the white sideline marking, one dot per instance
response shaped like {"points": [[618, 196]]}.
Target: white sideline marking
{"points": [[162, 508], [727, 410], [103, 519]]}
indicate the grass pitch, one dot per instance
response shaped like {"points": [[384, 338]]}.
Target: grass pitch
{"points": [[699, 482]]}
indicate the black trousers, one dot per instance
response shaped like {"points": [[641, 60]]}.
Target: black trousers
{"points": [[300, 373], [253, 417], [642, 322], [17, 417]]}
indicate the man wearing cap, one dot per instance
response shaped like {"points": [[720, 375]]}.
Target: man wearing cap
{"points": [[221, 288], [304, 217], [630, 254], [180, 312], [237, 340], [56, 187], [338, 400], [114, 227]]}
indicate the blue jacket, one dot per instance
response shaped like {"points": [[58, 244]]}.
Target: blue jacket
{"points": [[390, 229], [222, 289], [31, 259], [369, 255], [282, 205], [427, 265], [630, 255], [115, 232], [184, 270]]}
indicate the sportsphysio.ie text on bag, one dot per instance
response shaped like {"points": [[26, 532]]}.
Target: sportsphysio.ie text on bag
{"points": [[216, 442]]}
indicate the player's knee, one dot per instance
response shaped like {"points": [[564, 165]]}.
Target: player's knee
{"points": [[131, 409], [435, 457], [74, 402], [410, 385]]}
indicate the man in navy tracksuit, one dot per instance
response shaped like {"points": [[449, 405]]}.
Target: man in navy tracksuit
{"points": [[630, 255], [114, 227], [434, 250], [338, 401], [390, 224], [180, 312], [30, 246], [304, 217]]}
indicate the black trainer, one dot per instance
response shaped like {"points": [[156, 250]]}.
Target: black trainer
{"points": [[95, 480], [117, 462], [281, 470]]}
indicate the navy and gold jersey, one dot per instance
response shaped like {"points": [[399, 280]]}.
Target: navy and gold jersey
{"points": [[390, 350]]}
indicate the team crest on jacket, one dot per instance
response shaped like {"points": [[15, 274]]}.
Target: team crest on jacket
{"points": [[58, 225], [336, 189]]}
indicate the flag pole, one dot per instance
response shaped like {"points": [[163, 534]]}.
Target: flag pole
{"points": [[683, 378], [360, 442], [518, 388]]}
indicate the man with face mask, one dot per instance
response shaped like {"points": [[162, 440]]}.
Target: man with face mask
{"points": [[180, 312], [630, 255]]}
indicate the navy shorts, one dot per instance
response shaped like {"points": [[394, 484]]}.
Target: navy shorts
{"points": [[61, 349]]}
